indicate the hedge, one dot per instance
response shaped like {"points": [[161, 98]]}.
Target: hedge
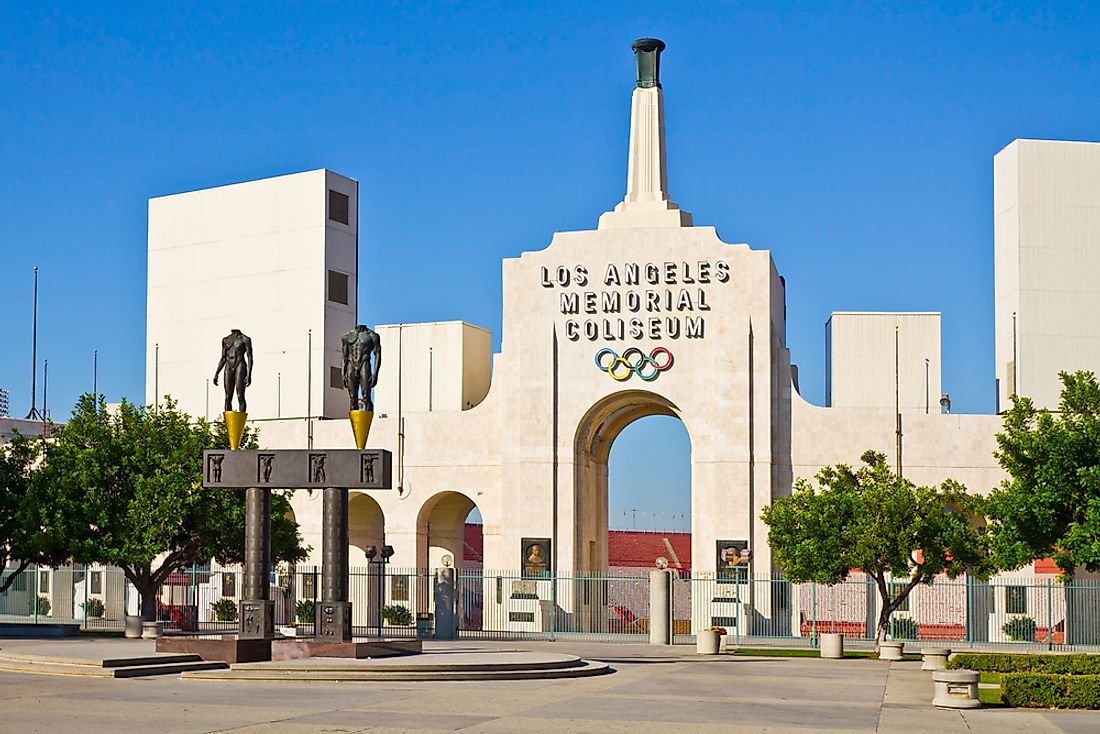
{"points": [[1046, 690], [1073, 664]]}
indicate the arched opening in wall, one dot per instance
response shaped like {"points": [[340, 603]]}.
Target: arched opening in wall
{"points": [[366, 528], [632, 505], [441, 532]]}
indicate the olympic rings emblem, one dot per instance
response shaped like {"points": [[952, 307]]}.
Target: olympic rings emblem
{"points": [[633, 362]]}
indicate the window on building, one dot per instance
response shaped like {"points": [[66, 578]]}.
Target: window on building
{"points": [[20, 583], [43, 582], [338, 287], [1015, 600], [339, 206], [95, 582], [335, 378]]}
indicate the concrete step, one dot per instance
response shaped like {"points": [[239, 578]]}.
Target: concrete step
{"points": [[149, 660], [143, 671], [398, 673], [41, 667]]}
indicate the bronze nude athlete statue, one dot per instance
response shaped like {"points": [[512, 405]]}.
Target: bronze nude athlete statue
{"points": [[237, 360], [358, 346]]}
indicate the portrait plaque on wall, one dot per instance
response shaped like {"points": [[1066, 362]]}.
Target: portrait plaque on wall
{"points": [[229, 583], [535, 557], [732, 561], [399, 588]]}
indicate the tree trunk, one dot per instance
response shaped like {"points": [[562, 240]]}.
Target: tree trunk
{"points": [[148, 592]]}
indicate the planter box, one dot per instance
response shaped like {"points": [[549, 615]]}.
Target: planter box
{"points": [[706, 642]]}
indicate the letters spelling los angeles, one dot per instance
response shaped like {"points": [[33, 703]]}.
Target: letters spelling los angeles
{"points": [[673, 299]]}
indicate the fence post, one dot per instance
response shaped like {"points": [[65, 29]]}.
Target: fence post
{"points": [[554, 603], [1050, 614], [813, 614], [34, 599], [84, 606], [660, 607]]}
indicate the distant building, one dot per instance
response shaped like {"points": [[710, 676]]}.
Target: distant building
{"points": [[275, 258], [1046, 201], [9, 427], [869, 356], [4, 404]]}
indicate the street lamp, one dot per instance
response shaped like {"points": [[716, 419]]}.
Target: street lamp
{"points": [[378, 558]]}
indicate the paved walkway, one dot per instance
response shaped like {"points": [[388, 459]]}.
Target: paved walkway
{"points": [[655, 690]]}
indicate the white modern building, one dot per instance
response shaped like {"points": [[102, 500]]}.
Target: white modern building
{"points": [[1046, 201], [277, 259], [883, 360]]}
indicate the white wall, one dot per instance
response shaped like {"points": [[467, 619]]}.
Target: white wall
{"points": [[252, 256], [442, 366], [1047, 242], [860, 368]]}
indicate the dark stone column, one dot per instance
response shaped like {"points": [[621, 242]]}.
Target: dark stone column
{"points": [[334, 616], [256, 617]]}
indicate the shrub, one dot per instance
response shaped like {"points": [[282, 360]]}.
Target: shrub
{"points": [[397, 615], [304, 611], [1075, 664], [93, 608], [904, 628], [225, 610], [1047, 690], [41, 605], [1020, 629]]}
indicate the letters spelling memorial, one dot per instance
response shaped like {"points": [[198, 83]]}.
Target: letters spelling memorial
{"points": [[631, 296]]}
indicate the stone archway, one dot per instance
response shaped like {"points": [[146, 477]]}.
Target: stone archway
{"points": [[595, 435], [440, 529]]}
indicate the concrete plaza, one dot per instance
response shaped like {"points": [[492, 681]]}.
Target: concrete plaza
{"points": [[653, 690]]}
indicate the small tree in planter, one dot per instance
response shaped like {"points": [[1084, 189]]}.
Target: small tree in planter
{"points": [[93, 608], [871, 519], [397, 615], [1020, 629], [225, 610]]}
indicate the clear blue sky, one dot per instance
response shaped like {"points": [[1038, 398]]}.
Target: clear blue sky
{"points": [[856, 144]]}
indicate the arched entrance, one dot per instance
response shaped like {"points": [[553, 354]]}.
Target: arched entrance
{"points": [[366, 527], [441, 528], [595, 436]]}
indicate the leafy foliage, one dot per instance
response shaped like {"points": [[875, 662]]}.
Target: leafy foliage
{"points": [[93, 608], [1048, 690], [871, 519], [125, 488], [304, 610], [1015, 663], [397, 615], [904, 628], [41, 606], [225, 610], [1050, 506], [1020, 629], [23, 538]]}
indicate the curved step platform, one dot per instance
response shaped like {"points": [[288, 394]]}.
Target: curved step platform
{"points": [[443, 666]]}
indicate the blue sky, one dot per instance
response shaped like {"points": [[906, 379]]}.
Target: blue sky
{"points": [[855, 143]]}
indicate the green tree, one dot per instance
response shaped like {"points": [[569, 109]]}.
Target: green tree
{"points": [[1050, 505], [872, 520], [125, 489], [23, 539]]}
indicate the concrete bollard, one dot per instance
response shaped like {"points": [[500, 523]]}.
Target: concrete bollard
{"points": [[890, 651], [934, 658], [955, 689], [706, 642], [832, 645], [660, 607], [133, 627]]}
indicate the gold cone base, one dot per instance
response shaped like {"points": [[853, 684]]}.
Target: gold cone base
{"points": [[234, 426], [360, 426]]}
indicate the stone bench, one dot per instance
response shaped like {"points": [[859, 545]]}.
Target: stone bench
{"points": [[955, 689]]}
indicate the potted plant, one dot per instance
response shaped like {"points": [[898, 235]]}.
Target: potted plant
{"points": [[93, 608], [41, 606], [707, 640], [397, 615], [225, 610]]}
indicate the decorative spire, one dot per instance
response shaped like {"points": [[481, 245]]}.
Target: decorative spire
{"points": [[646, 203]]}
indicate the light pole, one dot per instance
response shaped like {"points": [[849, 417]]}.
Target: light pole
{"points": [[926, 383], [378, 560], [33, 412]]}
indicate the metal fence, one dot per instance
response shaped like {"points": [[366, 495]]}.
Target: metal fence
{"points": [[1025, 613]]}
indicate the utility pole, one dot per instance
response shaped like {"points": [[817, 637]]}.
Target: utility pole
{"points": [[33, 412], [897, 394], [95, 377]]}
